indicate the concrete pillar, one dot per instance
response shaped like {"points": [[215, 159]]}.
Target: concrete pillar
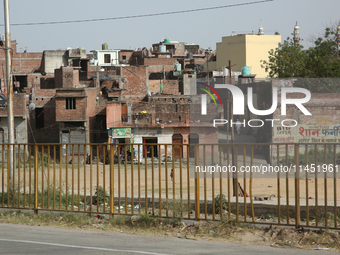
{"points": [[129, 112]]}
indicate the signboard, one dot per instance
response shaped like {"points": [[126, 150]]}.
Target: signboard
{"points": [[121, 132], [317, 134], [307, 134], [302, 134], [283, 135]]}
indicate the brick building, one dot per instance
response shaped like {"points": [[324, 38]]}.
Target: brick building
{"points": [[59, 69], [25, 67], [76, 102], [20, 122], [152, 102]]}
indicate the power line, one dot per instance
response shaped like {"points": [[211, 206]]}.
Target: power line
{"points": [[137, 16]]}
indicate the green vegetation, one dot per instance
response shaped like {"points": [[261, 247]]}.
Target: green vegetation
{"points": [[47, 199], [103, 197], [176, 206], [218, 204], [319, 61]]}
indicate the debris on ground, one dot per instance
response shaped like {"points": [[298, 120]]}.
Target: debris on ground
{"points": [[194, 230]]}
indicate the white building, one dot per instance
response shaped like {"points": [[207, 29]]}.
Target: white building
{"points": [[105, 57]]}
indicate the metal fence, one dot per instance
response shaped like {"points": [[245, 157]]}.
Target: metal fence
{"points": [[278, 184]]}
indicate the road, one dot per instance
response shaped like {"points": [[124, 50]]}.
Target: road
{"points": [[22, 239]]}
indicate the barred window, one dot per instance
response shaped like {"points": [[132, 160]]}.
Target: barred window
{"points": [[107, 58], [70, 103]]}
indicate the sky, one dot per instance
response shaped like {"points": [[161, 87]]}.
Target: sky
{"points": [[205, 28]]}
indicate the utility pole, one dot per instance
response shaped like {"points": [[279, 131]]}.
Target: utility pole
{"points": [[10, 117], [338, 38], [235, 186], [208, 68]]}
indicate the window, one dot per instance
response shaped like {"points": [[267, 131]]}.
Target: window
{"points": [[70, 103], [2, 136], [124, 57], [107, 58], [39, 118]]}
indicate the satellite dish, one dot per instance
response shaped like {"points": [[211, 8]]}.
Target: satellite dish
{"points": [[124, 80], [31, 106], [15, 69]]}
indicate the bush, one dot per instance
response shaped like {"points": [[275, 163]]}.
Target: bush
{"points": [[100, 195], [145, 220], [218, 203], [176, 206]]}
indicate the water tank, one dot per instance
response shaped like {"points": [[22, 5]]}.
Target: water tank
{"points": [[166, 40], [225, 71], [245, 70], [105, 46], [178, 67], [190, 55], [162, 48]]}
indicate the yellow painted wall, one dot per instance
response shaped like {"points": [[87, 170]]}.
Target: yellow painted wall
{"points": [[231, 48], [257, 47], [211, 66], [245, 50]]}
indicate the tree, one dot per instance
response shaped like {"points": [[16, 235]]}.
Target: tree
{"points": [[292, 60], [323, 58], [288, 60]]}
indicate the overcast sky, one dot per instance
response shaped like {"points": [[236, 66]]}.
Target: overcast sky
{"points": [[204, 27]]}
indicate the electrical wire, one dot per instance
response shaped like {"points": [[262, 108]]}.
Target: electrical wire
{"points": [[137, 16]]}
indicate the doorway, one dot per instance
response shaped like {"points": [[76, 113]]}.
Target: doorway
{"points": [[177, 139], [193, 140], [148, 148]]}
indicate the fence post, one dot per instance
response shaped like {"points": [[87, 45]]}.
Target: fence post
{"points": [[111, 181], [36, 157], [297, 186], [197, 185]]}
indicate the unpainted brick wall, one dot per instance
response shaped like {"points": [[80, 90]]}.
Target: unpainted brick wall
{"points": [[170, 87], [127, 54], [23, 62], [159, 61], [19, 106], [136, 76], [78, 114]]}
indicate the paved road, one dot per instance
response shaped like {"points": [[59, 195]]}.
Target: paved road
{"points": [[21, 239]]}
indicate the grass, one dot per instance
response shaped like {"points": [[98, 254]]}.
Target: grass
{"points": [[48, 199], [330, 217]]}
